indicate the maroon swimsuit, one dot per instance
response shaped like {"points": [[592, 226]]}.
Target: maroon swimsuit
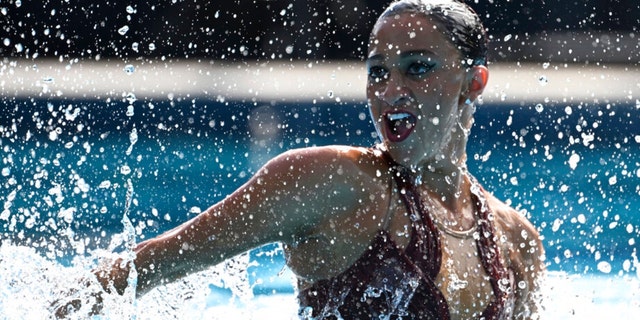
{"points": [[387, 282]]}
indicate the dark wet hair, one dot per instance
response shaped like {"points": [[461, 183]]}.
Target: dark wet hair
{"points": [[462, 24]]}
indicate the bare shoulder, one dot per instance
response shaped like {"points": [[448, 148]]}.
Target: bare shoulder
{"points": [[523, 253], [510, 221], [348, 198], [523, 237], [338, 160], [324, 183]]}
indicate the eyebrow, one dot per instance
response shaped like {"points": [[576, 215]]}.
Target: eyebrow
{"points": [[404, 54]]}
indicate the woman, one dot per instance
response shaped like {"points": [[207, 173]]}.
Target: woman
{"points": [[398, 230]]}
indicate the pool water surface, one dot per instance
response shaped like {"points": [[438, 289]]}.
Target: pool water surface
{"points": [[573, 170]]}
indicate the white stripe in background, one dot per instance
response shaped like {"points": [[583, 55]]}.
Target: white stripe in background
{"points": [[509, 83]]}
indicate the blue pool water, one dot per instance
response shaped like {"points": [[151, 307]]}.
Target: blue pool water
{"points": [[573, 170]]}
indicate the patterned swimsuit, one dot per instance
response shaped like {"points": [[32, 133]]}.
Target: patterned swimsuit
{"points": [[387, 282]]}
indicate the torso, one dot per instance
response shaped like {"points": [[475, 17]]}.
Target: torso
{"points": [[335, 246], [462, 277]]}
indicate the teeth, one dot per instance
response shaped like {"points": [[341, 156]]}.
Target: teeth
{"points": [[398, 116]]}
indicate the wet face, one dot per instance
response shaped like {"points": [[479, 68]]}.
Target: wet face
{"points": [[415, 88]]}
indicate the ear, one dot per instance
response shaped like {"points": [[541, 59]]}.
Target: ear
{"points": [[476, 82]]}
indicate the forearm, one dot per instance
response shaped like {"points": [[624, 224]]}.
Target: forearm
{"points": [[161, 260]]}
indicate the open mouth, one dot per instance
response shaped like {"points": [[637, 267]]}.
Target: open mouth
{"points": [[399, 125]]}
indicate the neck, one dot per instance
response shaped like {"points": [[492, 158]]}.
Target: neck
{"points": [[446, 182]]}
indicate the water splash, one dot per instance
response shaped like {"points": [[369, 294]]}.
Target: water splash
{"points": [[129, 235], [133, 139], [32, 286]]}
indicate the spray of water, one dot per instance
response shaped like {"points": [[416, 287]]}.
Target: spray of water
{"points": [[36, 287]]}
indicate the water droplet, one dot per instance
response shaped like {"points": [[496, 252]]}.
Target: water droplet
{"points": [[104, 184], [573, 161], [522, 284], [125, 169], [542, 80], [152, 46], [604, 267], [504, 286], [629, 228], [6, 42], [507, 37], [131, 97], [122, 31], [6, 172], [456, 283], [568, 110], [539, 107], [556, 225], [67, 214], [133, 136], [130, 111], [130, 10], [134, 46], [545, 65], [129, 69]]}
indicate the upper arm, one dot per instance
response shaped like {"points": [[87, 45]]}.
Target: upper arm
{"points": [[295, 192]]}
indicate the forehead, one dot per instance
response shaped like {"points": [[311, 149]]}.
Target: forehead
{"points": [[409, 32]]}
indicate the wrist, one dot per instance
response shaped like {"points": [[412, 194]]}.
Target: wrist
{"points": [[114, 276]]}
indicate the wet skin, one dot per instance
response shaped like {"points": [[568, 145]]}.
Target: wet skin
{"points": [[326, 204]]}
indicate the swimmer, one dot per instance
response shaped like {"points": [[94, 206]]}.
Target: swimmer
{"points": [[401, 229]]}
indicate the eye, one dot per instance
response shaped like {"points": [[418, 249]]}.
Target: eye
{"points": [[419, 68], [377, 73]]}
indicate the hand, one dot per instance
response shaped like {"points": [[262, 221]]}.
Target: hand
{"points": [[86, 300]]}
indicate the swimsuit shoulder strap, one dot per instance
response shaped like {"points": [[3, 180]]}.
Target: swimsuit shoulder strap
{"points": [[386, 222], [424, 246]]}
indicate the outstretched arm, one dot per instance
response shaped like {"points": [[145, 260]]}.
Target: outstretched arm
{"points": [[287, 197]]}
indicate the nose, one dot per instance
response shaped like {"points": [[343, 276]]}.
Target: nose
{"points": [[396, 92]]}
